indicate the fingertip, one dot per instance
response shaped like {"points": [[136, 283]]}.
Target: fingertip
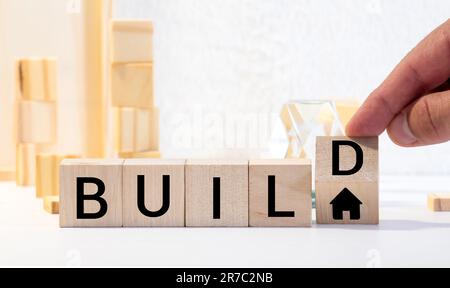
{"points": [[400, 132]]}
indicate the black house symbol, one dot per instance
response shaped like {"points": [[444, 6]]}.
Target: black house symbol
{"points": [[346, 201]]}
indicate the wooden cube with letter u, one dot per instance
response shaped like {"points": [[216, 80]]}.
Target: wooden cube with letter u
{"points": [[153, 193], [91, 193], [347, 180], [216, 193]]}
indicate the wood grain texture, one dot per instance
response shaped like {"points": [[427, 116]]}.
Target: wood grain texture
{"points": [[439, 202], [293, 191], [132, 85], [51, 204], [25, 164], [37, 122], [108, 171], [154, 171], [233, 197], [132, 41], [97, 14], [364, 184]]}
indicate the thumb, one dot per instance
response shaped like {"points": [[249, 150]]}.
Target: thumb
{"points": [[424, 122]]}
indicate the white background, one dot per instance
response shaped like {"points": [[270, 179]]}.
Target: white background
{"points": [[218, 60]]}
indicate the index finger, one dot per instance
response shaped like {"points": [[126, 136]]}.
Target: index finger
{"points": [[426, 67]]}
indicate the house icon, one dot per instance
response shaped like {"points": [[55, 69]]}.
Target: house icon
{"points": [[346, 201]]}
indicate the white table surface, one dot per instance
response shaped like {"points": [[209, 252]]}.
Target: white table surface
{"points": [[409, 235]]}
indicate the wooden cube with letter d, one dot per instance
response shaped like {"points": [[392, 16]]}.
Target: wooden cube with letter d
{"points": [[347, 179]]}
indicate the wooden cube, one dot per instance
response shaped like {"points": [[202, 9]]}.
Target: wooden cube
{"points": [[216, 193], [91, 193], [153, 193], [36, 122], [25, 164], [36, 80], [280, 193], [51, 80], [132, 41], [132, 85], [439, 202], [51, 204], [47, 173], [347, 179], [137, 130]]}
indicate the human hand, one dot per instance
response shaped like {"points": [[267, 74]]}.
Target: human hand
{"points": [[413, 103]]}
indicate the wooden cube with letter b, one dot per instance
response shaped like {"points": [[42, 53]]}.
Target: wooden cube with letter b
{"points": [[153, 193], [280, 193], [91, 193], [216, 193], [347, 179]]}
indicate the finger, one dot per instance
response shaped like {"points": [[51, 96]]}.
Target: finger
{"points": [[424, 68], [425, 122]]}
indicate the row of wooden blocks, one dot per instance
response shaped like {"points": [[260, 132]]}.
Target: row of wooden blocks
{"points": [[204, 193]]}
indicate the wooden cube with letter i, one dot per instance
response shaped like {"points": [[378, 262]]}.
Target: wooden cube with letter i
{"points": [[347, 177]]}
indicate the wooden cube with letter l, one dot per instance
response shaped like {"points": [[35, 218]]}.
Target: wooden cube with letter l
{"points": [[280, 193], [347, 180], [91, 193]]}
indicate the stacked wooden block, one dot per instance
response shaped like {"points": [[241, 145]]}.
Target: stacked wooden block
{"points": [[36, 94], [206, 193], [136, 117], [47, 179]]}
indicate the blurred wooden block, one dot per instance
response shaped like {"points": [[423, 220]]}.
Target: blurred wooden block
{"points": [[7, 174], [280, 193], [137, 130], [216, 193], [47, 173], [153, 194], [96, 16], [132, 41], [25, 164], [439, 202], [346, 110], [91, 193], [36, 122], [125, 129], [51, 79], [347, 179], [132, 85], [51, 204], [140, 155], [36, 80]]}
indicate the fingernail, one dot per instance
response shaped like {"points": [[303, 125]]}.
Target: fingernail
{"points": [[400, 131]]}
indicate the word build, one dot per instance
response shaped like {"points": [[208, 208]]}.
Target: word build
{"points": [[224, 193]]}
